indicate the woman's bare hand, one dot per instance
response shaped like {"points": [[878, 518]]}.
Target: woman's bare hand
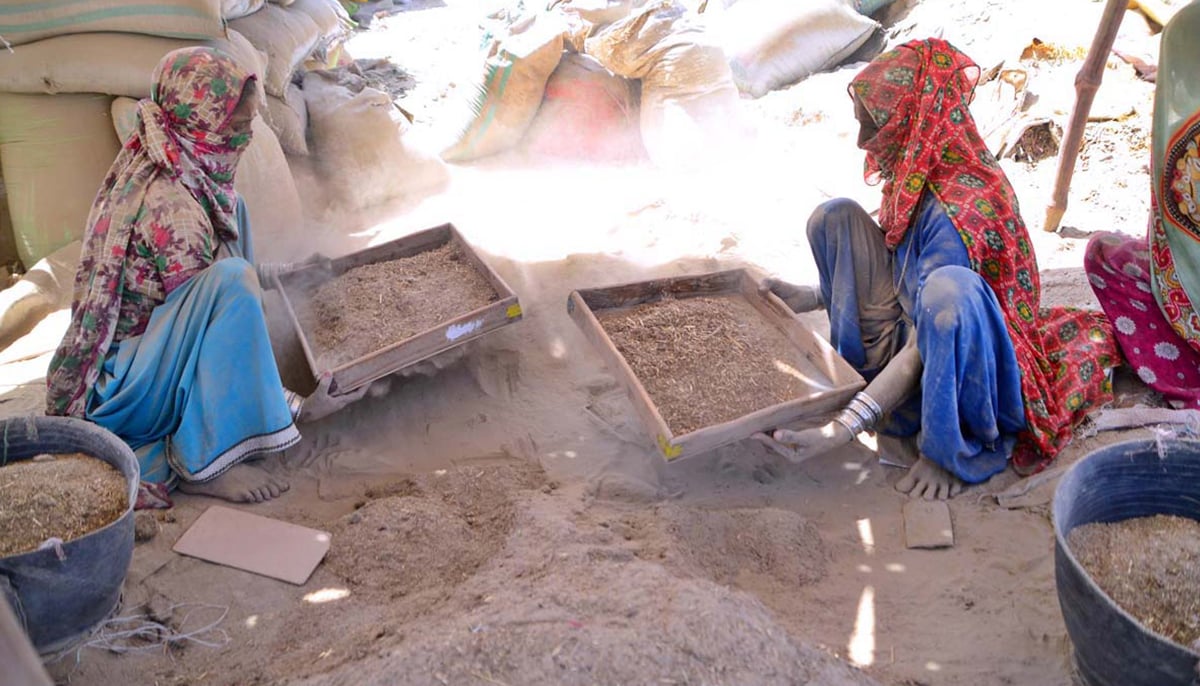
{"points": [[321, 403], [798, 446], [798, 298]]}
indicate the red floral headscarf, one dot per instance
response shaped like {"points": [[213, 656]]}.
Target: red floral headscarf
{"points": [[918, 95], [166, 202]]}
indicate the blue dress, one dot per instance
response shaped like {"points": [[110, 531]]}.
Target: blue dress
{"points": [[969, 407], [198, 391]]}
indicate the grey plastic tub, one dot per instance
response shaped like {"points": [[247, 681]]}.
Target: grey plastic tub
{"points": [[60, 600], [1116, 482]]}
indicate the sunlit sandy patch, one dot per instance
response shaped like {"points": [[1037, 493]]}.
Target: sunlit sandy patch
{"points": [[326, 595], [861, 648], [866, 535]]}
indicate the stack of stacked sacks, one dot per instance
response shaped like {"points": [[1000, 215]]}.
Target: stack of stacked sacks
{"points": [[537, 87], [579, 61], [688, 100], [362, 155], [73, 66], [345, 142], [295, 35], [689, 108], [69, 83], [771, 44], [527, 90]]}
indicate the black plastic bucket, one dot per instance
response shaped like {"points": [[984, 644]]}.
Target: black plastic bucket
{"points": [[1117, 482], [60, 600]]}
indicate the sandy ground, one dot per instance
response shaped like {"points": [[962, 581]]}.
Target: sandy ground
{"points": [[506, 521]]}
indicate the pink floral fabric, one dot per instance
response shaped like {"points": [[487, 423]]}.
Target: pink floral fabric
{"points": [[1143, 283], [165, 205], [1118, 268]]}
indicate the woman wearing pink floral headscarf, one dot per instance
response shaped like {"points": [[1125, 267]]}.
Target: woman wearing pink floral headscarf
{"points": [[168, 344]]}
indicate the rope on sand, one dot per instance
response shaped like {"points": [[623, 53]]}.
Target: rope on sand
{"points": [[142, 632]]}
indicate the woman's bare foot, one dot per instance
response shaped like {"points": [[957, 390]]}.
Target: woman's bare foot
{"points": [[927, 480], [243, 483], [901, 452]]}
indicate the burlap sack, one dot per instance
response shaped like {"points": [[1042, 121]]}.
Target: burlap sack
{"points": [[587, 113], [195, 20], [329, 16], [359, 141], [288, 118], [239, 48], [124, 118], [110, 63], [8, 243], [774, 43], [647, 45], [47, 286], [599, 13], [54, 151], [236, 9], [689, 106], [333, 26], [502, 103], [265, 181], [287, 37]]}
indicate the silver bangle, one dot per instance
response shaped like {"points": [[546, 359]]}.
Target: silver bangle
{"points": [[294, 401], [860, 414], [851, 421], [869, 403]]}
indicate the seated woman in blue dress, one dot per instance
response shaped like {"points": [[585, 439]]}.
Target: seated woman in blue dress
{"points": [[938, 304], [167, 346]]}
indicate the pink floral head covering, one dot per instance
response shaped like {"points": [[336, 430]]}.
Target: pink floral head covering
{"points": [[167, 199]]}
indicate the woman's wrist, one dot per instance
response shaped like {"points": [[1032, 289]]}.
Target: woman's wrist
{"points": [[861, 414], [838, 434], [295, 403]]}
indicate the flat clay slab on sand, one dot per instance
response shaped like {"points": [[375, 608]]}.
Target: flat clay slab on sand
{"points": [[927, 524], [262, 545]]}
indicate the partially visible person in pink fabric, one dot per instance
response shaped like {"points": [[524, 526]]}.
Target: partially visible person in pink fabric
{"points": [[1119, 269], [1149, 287]]}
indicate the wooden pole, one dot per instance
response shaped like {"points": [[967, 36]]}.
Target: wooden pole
{"points": [[1086, 83]]}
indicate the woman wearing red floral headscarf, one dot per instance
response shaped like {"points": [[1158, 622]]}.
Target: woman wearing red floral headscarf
{"points": [[168, 346], [938, 304]]}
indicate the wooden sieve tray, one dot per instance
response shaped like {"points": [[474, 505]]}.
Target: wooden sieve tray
{"points": [[400, 354], [835, 381]]}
